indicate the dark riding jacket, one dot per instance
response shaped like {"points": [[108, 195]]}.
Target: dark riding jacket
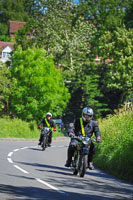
{"points": [[89, 128], [51, 123]]}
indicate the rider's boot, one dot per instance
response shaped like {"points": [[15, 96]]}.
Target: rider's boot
{"points": [[90, 165], [68, 163]]}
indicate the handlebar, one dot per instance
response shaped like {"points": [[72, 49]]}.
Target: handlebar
{"points": [[79, 138]]}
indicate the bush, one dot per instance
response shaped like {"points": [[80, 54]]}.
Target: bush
{"points": [[116, 150], [16, 128]]}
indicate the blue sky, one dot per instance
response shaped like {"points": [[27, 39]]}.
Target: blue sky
{"points": [[76, 1]]}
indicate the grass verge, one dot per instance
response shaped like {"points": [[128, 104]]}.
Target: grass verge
{"points": [[115, 152]]}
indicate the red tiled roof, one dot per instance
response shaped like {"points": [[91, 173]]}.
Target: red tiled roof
{"points": [[5, 44], [14, 26]]}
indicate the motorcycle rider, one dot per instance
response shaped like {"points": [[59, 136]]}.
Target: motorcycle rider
{"points": [[47, 122], [83, 126]]}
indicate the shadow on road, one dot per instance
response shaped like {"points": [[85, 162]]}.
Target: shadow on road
{"points": [[93, 181], [9, 192]]}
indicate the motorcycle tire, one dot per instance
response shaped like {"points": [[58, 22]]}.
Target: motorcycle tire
{"points": [[83, 166], [75, 161], [44, 143]]}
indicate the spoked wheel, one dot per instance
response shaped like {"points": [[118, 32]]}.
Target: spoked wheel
{"points": [[44, 143], [83, 166], [75, 164]]}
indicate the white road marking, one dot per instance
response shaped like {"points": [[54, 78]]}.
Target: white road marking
{"points": [[10, 160], [10, 154], [16, 150], [24, 147], [24, 171], [50, 186]]}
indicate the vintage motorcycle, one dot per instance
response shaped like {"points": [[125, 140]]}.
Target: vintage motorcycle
{"points": [[45, 134], [80, 157]]}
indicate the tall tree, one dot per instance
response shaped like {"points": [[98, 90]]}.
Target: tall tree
{"points": [[5, 85], [37, 86], [105, 15], [116, 76]]}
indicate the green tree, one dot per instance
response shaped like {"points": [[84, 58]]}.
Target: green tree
{"points": [[37, 85], [56, 27], [128, 19], [116, 77], [85, 91], [5, 85], [105, 15]]}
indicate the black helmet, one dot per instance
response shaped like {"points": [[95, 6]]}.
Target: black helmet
{"points": [[87, 111]]}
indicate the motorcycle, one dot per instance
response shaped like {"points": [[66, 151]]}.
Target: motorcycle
{"points": [[80, 157], [45, 134]]}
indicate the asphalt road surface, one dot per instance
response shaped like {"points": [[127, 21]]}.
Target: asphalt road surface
{"points": [[27, 172]]}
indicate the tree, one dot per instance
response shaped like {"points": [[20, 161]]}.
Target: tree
{"points": [[5, 85], [56, 27], [37, 85], [116, 77], [105, 15]]}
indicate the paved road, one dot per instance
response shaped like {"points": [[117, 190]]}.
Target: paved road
{"points": [[28, 173]]}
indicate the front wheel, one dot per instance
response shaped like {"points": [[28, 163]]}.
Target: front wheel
{"points": [[75, 164], [83, 166], [44, 143]]}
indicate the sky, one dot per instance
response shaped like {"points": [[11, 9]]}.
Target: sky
{"points": [[76, 1]]}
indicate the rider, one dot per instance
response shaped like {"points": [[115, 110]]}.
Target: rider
{"points": [[84, 125], [47, 122]]}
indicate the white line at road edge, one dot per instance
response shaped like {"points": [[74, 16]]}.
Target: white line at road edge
{"points": [[9, 160], [21, 169], [50, 186], [24, 171], [10, 154]]}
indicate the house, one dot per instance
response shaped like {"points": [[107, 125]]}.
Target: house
{"points": [[5, 50], [14, 26], [7, 47]]}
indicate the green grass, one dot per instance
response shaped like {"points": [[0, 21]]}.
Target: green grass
{"points": [[115, 153], [17, 128]]}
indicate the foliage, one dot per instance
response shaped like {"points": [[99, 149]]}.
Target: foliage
{"points": [[128, 19], [37, 86], [116, 147], [73, 34], [67, 37], [117, 74], [105, 15], [11, 10], [16, 128], [84, 89], [5, 85]]}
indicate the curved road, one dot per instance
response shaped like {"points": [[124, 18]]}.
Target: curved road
{"points": [[27, 172]]}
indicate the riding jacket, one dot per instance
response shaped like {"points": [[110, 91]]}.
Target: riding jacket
{"points": [[48, 123], [89, 128]]}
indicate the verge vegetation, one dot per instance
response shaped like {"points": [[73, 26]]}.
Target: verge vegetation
{"points": [[16, 128], [115, 152]]}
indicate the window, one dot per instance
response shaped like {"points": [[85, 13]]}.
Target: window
{"points": [[5, 54]]}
